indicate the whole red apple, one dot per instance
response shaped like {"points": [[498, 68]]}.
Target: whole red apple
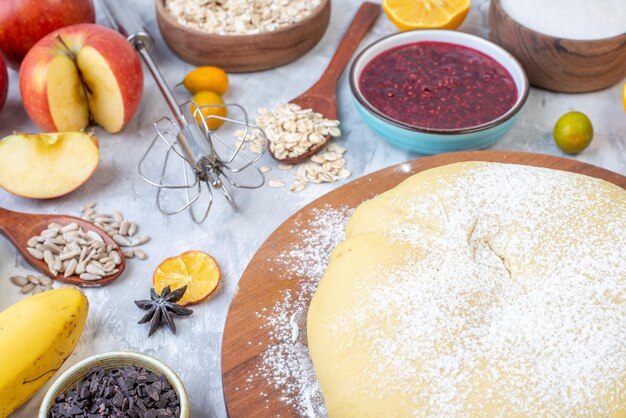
{"points": [[4, 83], [24, 22], [78, 74]]}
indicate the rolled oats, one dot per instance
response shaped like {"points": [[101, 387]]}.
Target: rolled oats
{"points": [[291, 130], [239, 17]]}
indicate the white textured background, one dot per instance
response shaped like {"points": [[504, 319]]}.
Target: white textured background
{"points": [[233, 238]]}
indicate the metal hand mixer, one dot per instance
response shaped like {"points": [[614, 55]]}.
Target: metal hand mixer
{"points": [[209, 160]]}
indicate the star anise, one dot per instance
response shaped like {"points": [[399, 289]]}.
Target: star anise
{"points": [[162, 308]]}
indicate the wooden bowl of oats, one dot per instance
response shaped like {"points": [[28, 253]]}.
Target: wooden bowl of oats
{"points": [[241, 36]]}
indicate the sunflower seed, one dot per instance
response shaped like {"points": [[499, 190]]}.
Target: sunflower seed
{"points": [[53, 248], [19, 280], [70, 269], [32, 279], [112, 272], [91, 268], [52, 269], [58, 240], [94, 235], [90, 276], [35, 253], [109, 266], [140, 254], [124, 228], [69, 254], [73, 226], [80, 267], [275, 183], [123, 241], [96, 263], [115, 256], [48, 257], [38, 289], [48, 233], [44, 280], [32, 241], [129, 254], [28, 288], [141, 240]]}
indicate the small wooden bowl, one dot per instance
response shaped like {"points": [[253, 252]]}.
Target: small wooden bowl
{"points": [[244, 53], [563, 65]]}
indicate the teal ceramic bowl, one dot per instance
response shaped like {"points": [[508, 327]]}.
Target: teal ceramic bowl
{"points": [[436, 141]]}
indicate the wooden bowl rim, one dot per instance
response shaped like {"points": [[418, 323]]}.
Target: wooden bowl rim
{"points": [[509, 114], [164, 14], [115, 359], [552, 38]]}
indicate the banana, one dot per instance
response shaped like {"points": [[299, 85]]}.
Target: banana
{"points": [[37, 334]]}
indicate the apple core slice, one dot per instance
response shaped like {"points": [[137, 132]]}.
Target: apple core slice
{"points": [[105, 98], [66, 96], [43, 166]]}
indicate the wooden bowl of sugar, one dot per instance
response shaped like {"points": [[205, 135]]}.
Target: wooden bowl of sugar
{"points": [[569, 46], [216, 39]]}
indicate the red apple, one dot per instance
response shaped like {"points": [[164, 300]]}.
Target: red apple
{"points": [[4, 83], [78, 74], [24, 22]]}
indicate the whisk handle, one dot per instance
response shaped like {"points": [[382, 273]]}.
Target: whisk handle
{"points": [[128, 22]]}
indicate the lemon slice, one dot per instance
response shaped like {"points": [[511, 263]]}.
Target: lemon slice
{"points": [[426, 14]]}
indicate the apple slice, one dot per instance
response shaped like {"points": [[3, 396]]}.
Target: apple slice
{"points": [[44, 166], [69, 111], [103, 92]]}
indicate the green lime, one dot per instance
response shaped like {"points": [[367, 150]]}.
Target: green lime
{"points": [[573, 132]]}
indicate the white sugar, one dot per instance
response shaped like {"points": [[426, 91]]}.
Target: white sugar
{"points": [[570, 19], [286, 363]]}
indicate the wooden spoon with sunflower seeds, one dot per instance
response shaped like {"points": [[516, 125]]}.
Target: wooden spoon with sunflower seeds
{"points": [[20, 228]]}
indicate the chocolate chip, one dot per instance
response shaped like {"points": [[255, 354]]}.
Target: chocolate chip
{"points": [[128, 392]]}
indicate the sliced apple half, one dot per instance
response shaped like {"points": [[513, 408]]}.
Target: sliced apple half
{"points": [[81, 74], [44, 166]]}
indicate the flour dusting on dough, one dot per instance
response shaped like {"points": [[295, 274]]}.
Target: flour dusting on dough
{"points": [[286, 363]]}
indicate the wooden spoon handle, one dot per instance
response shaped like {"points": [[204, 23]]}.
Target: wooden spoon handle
{"points": [[361, 24]]}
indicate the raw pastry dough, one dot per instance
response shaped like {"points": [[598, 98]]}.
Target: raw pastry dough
{"points": [[473, 290]]}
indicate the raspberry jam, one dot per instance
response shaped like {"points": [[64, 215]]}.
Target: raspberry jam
{"points": [[438, 85]]}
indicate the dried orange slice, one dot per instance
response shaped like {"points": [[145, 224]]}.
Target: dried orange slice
{"points": [[195, 269], [426, 14]]}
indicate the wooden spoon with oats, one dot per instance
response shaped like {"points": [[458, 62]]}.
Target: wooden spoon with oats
{"points": [[20, 228], [322, 96]]}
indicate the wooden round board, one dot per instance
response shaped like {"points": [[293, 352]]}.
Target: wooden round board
{"points": [[246, 336]]}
